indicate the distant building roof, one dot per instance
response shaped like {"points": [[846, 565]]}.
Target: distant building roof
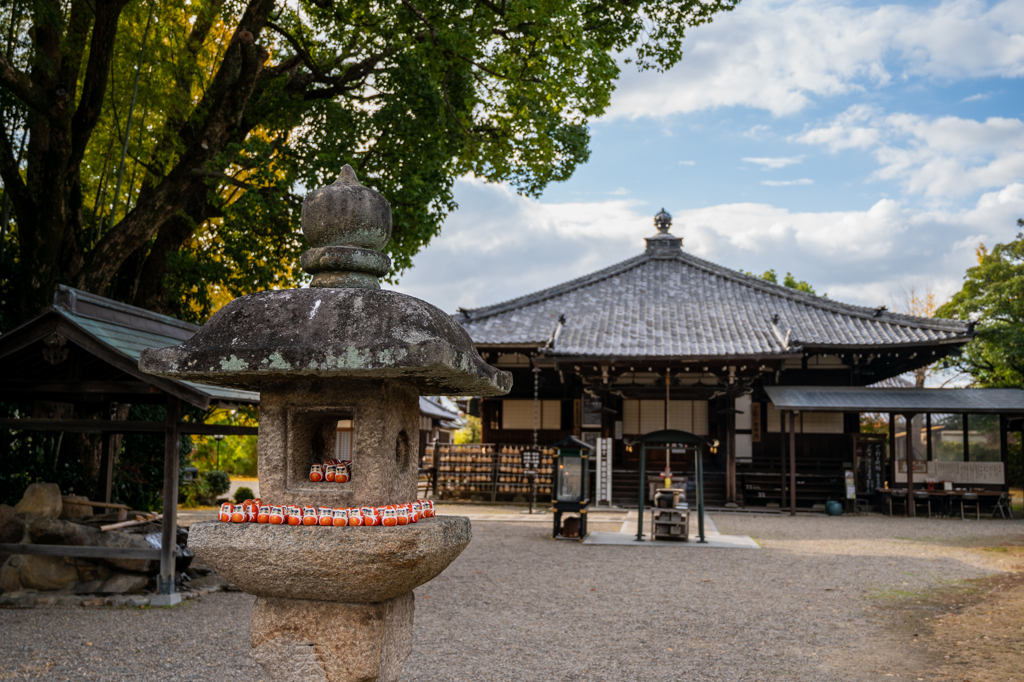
{"points": [[668, 303], [882, 400]]}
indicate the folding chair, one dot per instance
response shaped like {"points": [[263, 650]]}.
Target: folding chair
{"points": [[921, 498], [897, 497], [971, 500], [1003, 507]]}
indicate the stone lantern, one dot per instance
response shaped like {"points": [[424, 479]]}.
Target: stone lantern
{"points": [[334, 603]]}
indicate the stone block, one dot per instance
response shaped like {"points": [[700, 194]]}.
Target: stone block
{"points": [[12, 528], [47, 572], [46, 599], [68, 600], [71, 511], [9, 580], [212, 583], [93, 601], [137, 601], [40, 499], [348, 564], [45, 531], [298, 640], [119, 583]]}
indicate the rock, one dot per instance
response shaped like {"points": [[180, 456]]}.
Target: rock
{"points": [[68, 600], [94, 601], [212, 583], [88, 586], [71, 511], [41, 499], [46, 600], [20, 598], [298, 640], [120, 583], [356, 565], [12, 528], [47, 572], [137, 600], [119, 600], [9, 580], [57, 532]]}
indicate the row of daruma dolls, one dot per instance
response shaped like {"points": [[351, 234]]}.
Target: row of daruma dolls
{"points": [[332, 470], [254, 511]]}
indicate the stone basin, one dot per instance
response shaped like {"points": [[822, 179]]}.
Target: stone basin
{"points": [[358, 564]]}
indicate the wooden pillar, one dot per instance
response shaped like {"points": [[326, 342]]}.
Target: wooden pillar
{"points": [[783, 448], [967, 440], [1004, 450], [928, 436], [792, 463], [165, 582], [107, 466], [907, 418], [892, 448], [730, 458]]}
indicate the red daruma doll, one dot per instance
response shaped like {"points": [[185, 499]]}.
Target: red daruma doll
{"points": [[276, 515], [238, 514], [294, 516], [343, 472], [309, 516], [330, 468], [225, 512], [417, 511], [355, 517], [370, 516], [390, 517], [316, 473], [402, 514], [325, 516], [340, 516], [263, 516]]}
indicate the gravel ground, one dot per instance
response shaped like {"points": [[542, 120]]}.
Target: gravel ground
{"points": [[520, 606]]}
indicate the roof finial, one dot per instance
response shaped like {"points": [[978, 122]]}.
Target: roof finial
{"points": [[663, 221]]}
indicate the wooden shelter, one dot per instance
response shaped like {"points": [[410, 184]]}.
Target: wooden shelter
{"points": [[81, 354], [667, 340]]}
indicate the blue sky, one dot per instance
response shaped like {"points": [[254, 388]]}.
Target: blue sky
{"points": [[866, 148]]}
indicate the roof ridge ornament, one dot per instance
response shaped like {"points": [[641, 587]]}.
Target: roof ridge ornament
{"points": [[663, 244]]}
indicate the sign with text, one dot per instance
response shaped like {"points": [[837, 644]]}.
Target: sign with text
{"points": [[530, 461], [604, 470]]}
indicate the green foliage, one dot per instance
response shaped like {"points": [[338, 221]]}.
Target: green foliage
{"points": [[242, 494], [788, 281], [472, 432], [139, 470], [28, 457], [218, 482], [993, 298], [235, 455], [194, 493], [243, 106]]}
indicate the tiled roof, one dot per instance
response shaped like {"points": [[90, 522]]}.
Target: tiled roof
{"points": [[668, 303], [129, 330]]}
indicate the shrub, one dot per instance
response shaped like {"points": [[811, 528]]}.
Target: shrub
{"points": [[194, 493], [218, 482], [243, 494]]}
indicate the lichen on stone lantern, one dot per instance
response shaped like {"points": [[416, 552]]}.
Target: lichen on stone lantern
{"points": [[334, 603]]}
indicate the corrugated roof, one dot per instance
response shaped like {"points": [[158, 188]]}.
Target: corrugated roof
{"points": [[129, 330], [866, 399], [669, 303]]}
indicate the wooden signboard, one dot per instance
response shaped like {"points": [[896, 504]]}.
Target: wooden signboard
{"points": [[755, 422]]}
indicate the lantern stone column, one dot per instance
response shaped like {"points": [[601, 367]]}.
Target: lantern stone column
{"points": [[334, 604]]}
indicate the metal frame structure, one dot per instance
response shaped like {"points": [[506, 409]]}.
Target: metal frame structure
{"points": [[669, 439]]}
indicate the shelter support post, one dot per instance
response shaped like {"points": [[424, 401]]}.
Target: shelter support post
{"points": [[892, 448], [967, 439], [1004, 450], [700, 492], [730, 459], [792, 463], [165, 582], [640, 494], [907, 419], [783, 454], [107, 466]]}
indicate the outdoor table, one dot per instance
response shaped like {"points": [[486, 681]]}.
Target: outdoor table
{"points": [[948, 497]]}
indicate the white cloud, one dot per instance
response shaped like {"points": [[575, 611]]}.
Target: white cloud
{"points": [[621, 191], [757, 132], [939, 158], [779, 54], [787, 183], [976, 98], [500, 245], [773, 163], [687, 163]]}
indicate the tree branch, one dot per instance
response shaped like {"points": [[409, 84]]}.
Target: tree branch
{"points": [[11, 175], [22, 87]]}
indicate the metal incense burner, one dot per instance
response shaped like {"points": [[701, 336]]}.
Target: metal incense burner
{"points": [[334, 603]]}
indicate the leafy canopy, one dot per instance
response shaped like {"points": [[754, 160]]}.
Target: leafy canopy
{"points": [[187, 192], [788, 281], [993, 298]]}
